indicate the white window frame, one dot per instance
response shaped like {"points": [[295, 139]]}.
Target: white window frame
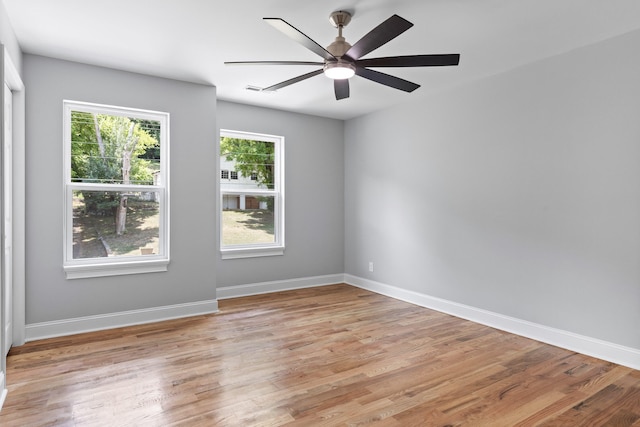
{"points": [[258, 249], [98, 267]]}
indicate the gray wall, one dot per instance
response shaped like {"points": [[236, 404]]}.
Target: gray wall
{"points": [[314, 191], [518, 194], [191, 275]]}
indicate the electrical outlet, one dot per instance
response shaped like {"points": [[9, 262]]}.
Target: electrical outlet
{"points": [[371, 266]]}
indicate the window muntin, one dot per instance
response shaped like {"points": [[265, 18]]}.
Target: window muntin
{"points": [[116, 190], [252, 204]]}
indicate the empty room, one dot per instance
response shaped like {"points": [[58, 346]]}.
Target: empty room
{"points": [[264, 213]]}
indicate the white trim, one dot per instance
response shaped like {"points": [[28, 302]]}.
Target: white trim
{"points": [[59, 328], [601, 349], [3, 391], [237, 291], [14, 81], [83, 271], [11, 75], [251, 252]]}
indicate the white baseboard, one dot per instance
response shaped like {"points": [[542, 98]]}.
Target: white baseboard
{"points": [[3, 389], [78, 325], [58, 328], [594, 347], [226, 292], [3, 396], [600, 349]]}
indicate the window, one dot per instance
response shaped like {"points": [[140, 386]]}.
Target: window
{"points": [[224, 174], [116, 190], [252, 204]]}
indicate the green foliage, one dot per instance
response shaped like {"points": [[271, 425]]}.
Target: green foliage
{"points": [[251, 157], [151, 127], [114, 155], [100, 203], [83, 144]]}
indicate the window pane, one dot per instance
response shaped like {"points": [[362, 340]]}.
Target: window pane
{"points": [[252, 163], [113, 149], [247, 219], [115, 224]]}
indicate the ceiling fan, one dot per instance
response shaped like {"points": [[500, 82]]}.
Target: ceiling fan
{"points": [[342, 60]]}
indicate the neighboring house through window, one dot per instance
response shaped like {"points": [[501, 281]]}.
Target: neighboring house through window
{"points": [[116, 190], [252, 200]]}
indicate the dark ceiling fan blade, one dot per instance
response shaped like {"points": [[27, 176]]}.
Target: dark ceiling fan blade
{"points": [[300, 37], [341, 88], [292, 81], [411, 61], [386, 79], [272, 63], [383, 33]]}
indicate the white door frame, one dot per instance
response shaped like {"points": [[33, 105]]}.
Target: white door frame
{"points": [[14, 81], [9, 74], [7, 218]]}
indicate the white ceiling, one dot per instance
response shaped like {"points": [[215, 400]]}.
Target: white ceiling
{"points": [[190, 39]]}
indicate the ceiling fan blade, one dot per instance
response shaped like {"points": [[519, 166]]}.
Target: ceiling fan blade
{"points": [[272, 63], [383, 33], [386, 79], [411, 61], [292, 81], [341, 88], [298, 36]]}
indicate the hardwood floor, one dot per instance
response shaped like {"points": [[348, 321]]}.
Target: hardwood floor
{"points": [[327, 356]]}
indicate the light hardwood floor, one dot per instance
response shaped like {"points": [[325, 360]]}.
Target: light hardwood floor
{"points": [[326, 356]]}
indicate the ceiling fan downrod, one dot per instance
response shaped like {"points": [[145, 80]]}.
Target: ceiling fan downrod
{"points": [[339, 19]]}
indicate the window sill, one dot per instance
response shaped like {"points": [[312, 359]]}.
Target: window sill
{"points": [[251, 252], [82, 271]]}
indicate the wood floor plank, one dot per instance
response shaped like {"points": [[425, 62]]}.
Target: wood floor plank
{"points": [[328, 356]]}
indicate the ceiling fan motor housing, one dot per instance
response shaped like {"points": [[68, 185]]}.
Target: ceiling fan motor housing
{"points": [[339, 47]]}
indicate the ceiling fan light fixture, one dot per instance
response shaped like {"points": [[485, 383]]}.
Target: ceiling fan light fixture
{"points": [[339, 70]]}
